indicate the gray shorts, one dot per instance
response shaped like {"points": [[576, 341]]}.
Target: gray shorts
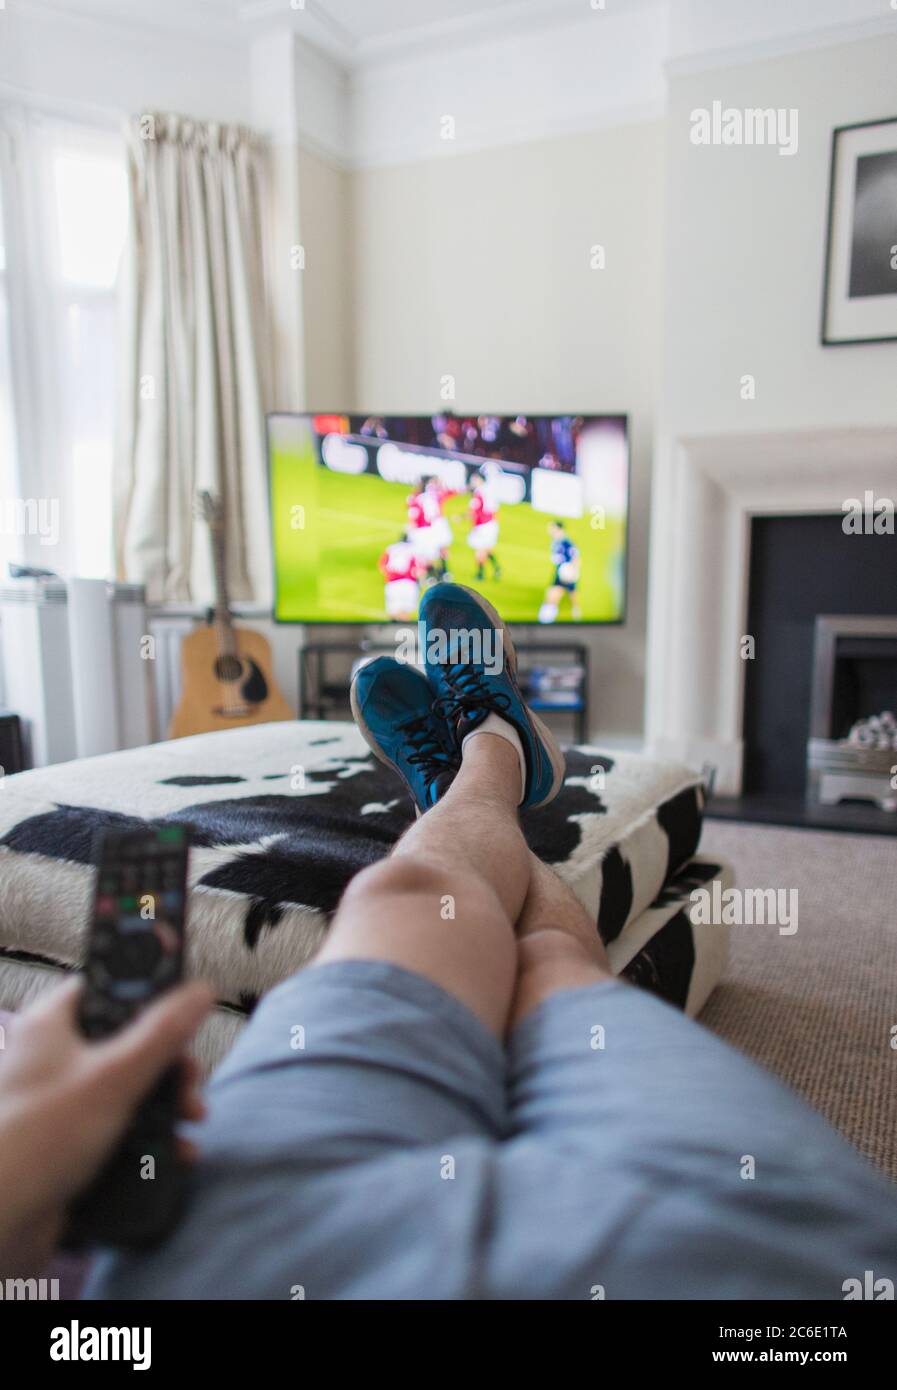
{"points": [[367, 1138]]}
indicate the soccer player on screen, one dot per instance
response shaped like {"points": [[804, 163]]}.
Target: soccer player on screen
{"points": [[565, 558], [401, 570], [483, 535], [422, 537], [430, 504]]}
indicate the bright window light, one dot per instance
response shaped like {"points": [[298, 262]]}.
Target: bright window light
{"points": [[92, 499], [75, 177], [10, 547], [91, 217]]}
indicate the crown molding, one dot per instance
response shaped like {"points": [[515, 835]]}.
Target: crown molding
{"points": [[783, 46], [492, 136], [62, 108], [522, 16], [326, 152], [311, 21]]}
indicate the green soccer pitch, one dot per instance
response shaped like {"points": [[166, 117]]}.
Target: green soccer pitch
{"points": [[330, 530]]}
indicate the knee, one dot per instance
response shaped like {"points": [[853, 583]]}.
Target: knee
{"points": [[445, 894], [400, 876], [550, 947]]}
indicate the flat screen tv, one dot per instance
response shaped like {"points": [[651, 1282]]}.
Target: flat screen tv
{"points": [[367, 510]]}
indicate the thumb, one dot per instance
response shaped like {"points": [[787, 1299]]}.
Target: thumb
{"points": [[158, 1036]]}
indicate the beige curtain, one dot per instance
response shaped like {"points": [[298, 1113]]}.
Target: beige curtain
{"points": [[195, 370]]}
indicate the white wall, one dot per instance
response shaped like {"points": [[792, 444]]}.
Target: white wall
{"points": [[479, 266], [326, 197], [746, 234], [745, 250]]}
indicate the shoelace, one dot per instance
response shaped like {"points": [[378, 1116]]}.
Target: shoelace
{"points": [[470, 694], [427, 752]]}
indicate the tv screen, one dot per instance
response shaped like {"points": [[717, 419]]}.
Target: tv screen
{"points": [[368, 510]]}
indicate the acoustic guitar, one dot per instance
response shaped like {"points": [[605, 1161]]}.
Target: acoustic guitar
{"points": [[227, 676]]}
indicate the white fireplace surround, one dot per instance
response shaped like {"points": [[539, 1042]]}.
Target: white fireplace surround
{"points": [[706, 490]]}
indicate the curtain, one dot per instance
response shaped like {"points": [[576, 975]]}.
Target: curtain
{"points": [[195, 369]]}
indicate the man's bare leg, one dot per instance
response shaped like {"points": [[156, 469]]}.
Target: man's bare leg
{"points": [[559, 946], [445, 902]]}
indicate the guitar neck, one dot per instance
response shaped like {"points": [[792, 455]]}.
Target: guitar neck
{"points": [[222, 617], [225, 633]]}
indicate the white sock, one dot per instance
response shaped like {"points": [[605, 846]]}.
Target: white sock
{"points": [[494, 724]]}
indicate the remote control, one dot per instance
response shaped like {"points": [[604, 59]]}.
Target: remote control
{"points": [[135, 952]]}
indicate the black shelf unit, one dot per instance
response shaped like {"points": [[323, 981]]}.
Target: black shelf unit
{"points": [[325, 672]]}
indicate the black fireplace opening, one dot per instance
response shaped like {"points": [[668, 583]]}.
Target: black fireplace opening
{"points": [[864, 682], [802, 567]]}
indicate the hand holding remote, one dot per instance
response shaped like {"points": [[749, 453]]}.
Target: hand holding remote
{"points": [[65, 1103]]}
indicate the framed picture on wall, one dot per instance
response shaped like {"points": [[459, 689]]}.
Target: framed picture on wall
{"points": [[860, 296]]}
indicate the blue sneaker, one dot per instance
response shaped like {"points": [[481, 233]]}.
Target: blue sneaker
{"points": [[473, 679], [393, 707]]}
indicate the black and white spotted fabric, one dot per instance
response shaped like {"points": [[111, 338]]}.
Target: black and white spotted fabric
{"points": [[282, 816]]}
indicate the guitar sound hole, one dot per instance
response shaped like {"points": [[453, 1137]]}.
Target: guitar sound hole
{"points": [[228, 668]]}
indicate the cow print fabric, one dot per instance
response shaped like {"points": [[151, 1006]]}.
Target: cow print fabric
{"points": [[283, 816]]}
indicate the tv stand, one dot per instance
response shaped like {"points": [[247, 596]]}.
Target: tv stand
{"points": [[554, 677]]}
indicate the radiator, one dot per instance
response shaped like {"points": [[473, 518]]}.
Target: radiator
{"points": [[77, 667], [167, 632]]}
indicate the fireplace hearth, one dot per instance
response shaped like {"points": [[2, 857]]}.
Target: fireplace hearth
{"points": [[852, 749]]}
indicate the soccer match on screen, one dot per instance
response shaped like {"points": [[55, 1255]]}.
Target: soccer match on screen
{"points": [[530, 510]]}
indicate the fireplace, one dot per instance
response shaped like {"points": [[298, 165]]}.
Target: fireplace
{"points": [[820, 608], [717, 500], [852, 749]]}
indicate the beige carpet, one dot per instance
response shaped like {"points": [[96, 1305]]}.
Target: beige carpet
{"points": [[817, 1008]]}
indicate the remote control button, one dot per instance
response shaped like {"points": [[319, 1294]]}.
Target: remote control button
{"points": [[131, 990], [141, 953]]}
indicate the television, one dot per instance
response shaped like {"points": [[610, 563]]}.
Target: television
{"points": [[368, 510]]}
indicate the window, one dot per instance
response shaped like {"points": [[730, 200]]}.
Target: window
{"points": [[89, 192], [70, 190], [10, 548]]}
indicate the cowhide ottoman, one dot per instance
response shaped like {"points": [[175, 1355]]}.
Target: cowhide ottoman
{"points": [[284, 814]]}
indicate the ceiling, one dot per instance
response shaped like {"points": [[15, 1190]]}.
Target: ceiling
{"points": [[366, 28], [370, 19], [352, 30]]}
